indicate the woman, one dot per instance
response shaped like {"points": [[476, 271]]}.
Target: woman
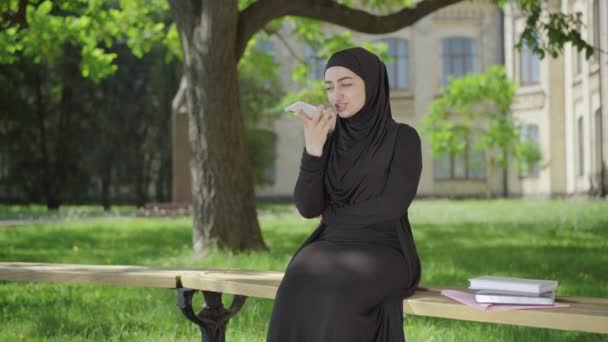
{"points": [[347, 281]]}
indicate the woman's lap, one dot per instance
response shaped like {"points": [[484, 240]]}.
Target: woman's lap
{"points": [[359, 276], [337, 292]]}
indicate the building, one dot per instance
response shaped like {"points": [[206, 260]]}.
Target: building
{"points": [[462, 38], [559, 104]]}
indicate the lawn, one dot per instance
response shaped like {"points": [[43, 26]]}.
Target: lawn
{"points": [[564, 240]]}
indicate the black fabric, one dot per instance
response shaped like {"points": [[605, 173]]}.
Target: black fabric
{"points": [[347, 281], [361, 146]]}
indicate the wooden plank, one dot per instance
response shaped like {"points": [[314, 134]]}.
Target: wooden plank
{"points": [[262, 285], [123, 275], [89, 274], [585, 314]]}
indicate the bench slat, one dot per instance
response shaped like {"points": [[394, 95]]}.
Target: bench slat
{"points": [[123, 275], [584, 314]]}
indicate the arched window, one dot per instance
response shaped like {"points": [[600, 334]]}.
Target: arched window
{"points": [[398, 69], [596, 27], [470, 165], [529, 133], [529, 66], [581, 146], [316, 63], [267, 46], [458, 57]]}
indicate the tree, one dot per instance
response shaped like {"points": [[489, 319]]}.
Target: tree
{"points": [[214, 36], [474, 110], [50, 47]]}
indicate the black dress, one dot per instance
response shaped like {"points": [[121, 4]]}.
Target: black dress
{"points": [[348, 279]]}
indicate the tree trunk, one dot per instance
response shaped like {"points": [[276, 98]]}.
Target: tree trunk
{"points": [[222, 179]]}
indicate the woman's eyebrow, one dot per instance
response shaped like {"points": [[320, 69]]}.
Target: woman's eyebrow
{"points": [[341, 79]]}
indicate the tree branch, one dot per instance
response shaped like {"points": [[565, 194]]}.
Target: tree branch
{"points": [[179, 103], [286, 43], [254, 18], [10, 19]]}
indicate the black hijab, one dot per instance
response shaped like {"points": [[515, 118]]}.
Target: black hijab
{"points": [[361, 146]]}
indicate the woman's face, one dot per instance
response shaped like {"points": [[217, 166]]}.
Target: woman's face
{"points": [[345, 91]]}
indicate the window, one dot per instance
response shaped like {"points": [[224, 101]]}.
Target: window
{"points": [[596, 28], [398, 69], [265, 45], [530, 133], [598, 139], [470, 165], [316, 63], [579, 55], [270, 173], [458, 57], [581, 150], [263, 153], [529, 66]]}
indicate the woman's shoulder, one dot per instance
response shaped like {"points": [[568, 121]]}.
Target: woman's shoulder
{"points": [[408, 134]]}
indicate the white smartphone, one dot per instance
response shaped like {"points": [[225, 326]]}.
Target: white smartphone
{"points": [[308, 109]]}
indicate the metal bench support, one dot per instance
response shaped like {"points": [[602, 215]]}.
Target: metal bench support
{"points": [[213, 318]]}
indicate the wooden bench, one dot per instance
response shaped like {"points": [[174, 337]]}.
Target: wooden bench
{"points": [[584, 314]]}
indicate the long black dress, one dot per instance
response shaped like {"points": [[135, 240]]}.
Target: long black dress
{"points": [[348, 279]]}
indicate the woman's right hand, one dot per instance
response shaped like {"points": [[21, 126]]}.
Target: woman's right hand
{"points": [[317, 129]]}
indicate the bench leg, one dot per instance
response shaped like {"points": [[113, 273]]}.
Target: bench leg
{"points": [[213, 318]]}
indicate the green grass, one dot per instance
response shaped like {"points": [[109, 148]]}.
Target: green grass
{"points": [[563, 240]]}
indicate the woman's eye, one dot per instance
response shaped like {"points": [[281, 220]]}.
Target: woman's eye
{"points": [[346, 85], [328, 89]]}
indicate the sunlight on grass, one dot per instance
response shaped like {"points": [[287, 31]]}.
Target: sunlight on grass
{"points": [[455, 239]]}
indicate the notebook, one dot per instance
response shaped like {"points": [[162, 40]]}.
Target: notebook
{"points": [[508, 297], [512, 284]]}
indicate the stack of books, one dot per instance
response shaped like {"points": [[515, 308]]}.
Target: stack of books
{"points": [[509, 290]]}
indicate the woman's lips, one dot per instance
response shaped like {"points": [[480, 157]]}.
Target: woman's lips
{"points": [[340, 107]]}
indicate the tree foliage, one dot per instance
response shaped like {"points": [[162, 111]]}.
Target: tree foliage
{"points": [[475, 109]]}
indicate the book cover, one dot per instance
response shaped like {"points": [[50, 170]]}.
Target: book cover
{"points": [[509, 297], [506, 297], [512, 284]]}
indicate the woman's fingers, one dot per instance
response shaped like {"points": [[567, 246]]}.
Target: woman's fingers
{"points": [[303, 117], [330, 121], [318, 114], [323, 117]]}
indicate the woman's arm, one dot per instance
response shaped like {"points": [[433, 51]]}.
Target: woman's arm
{"points": [[309, 193], [402, 184]]}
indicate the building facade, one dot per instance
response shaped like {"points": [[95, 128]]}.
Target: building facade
{"points": [[559, 106], [463, 38]]}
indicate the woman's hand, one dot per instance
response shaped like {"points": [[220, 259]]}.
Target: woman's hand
{"points": [[317, 129]]}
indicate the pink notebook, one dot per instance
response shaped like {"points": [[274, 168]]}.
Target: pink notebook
{"points": [[469, 300]]}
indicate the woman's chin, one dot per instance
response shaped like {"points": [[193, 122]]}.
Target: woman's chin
{"points": [[344, 114]]}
